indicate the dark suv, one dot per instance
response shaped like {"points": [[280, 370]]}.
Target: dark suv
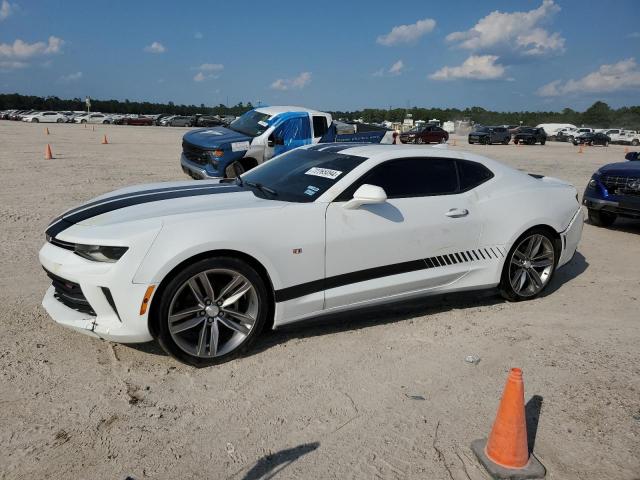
{"points": [[428, 133], [530, 136], [489, 135], [614, 191]]}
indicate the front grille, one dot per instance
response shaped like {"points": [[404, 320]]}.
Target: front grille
{"points": [[621, 185], [70, 294], [195, 154]]}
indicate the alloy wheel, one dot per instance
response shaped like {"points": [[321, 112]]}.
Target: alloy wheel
{"points": [[531, 265], [213, 312]]}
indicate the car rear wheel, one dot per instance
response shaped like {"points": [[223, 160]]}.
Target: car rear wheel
{"points": [[35, 120], [212, 311], [600, 218], [530, 266], [542, 142], [60, 120], [635, 142], [419, 140]]}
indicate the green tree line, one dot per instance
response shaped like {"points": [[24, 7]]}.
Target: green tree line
{"points": [[597, 115]]}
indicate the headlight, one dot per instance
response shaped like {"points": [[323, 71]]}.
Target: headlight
{"points": [[99, 253], [592, 183]]}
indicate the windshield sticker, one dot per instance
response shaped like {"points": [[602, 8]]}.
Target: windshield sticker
{"points": [[239, 146], [263, 123], [323, 172], [311, 190]]}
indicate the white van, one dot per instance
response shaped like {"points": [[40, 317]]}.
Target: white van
{"points": [[552, 128]]}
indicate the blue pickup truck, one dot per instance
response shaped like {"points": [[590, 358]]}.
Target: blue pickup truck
{"points": [[261, 134]]}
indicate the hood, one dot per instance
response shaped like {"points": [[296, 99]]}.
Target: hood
{"points": [[160, 201], [621, 169], [215, 137]]}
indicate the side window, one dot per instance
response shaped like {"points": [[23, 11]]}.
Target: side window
{"points": [[410, 177], [472, 174], [294, 129], [319, 126]]}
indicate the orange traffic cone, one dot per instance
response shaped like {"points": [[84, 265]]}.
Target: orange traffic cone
{"points": [[47, 153], [580, 150], [455, 143], [506, 454], [626, 150], [46, 131], [104, 140]]}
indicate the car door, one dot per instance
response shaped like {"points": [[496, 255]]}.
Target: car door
{"points": [[417, 240]]}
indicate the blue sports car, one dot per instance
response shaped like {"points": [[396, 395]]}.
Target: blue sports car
{"points": [[614, 190]]}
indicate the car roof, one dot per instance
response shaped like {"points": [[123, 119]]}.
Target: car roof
{"points": [[383, 152], [274, 110]]}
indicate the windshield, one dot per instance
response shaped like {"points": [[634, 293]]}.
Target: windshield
{"points": [[300, 175], [482, 129], [527, 130], [252, 123]]}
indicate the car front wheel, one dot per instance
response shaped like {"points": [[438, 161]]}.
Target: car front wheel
{"points": [[212, 311], [600, 218], [530, 266], [60, 120]]}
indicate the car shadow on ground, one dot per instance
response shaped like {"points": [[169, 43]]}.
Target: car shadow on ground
{"points": [[271, 465], [391, 312]]}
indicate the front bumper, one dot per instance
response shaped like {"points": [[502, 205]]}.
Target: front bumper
{"points": [[197, 171], [628, 207], [571, 237], [115, 319]]}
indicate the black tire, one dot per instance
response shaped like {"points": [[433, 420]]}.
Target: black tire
{"points": [[35, 120], [635, 142], [600, 218], [542, 142], [83, 121], [164, 336], [506, 289], [470, 142], [234, 170], [505, 142], [516, 141], [59, 120], [106, 122]]}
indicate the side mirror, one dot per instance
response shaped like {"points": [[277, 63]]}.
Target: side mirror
{"points": [[366, 195]]}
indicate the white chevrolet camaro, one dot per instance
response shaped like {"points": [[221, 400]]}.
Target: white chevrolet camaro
{"points": [[203, 267]]}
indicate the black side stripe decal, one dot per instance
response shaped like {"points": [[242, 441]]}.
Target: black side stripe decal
{"points": [[68, 220], [315, 286]]}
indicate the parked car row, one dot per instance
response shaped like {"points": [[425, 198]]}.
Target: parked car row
{"points": [[34, 116], [487, 135]]}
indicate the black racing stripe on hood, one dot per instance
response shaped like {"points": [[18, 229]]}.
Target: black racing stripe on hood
{"points": [[71, 219], [130, 194]]}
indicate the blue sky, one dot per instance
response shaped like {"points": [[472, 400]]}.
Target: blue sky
{"points": [[504, 55]]}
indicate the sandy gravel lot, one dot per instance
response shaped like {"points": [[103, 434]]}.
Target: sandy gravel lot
{"points": [[383, 393]]}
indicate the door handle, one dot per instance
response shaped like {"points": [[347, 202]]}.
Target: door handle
{"points": [[457, 213]]}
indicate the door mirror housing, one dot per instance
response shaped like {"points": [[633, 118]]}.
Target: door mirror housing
{"points": [[366, 195], [273, 140]]}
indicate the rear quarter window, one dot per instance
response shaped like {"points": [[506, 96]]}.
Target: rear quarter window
{"points": [[472, 174]]}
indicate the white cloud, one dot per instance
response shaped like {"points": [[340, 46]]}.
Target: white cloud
{"points": [[12, 65], [207, 70], [394, 70], [298, 82], [623, 75], [72, 77], [407, 33], [23, 50], [476, 67], [6, 9], [519, 32], [634, 35], [155, 47], [198, 36]]}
